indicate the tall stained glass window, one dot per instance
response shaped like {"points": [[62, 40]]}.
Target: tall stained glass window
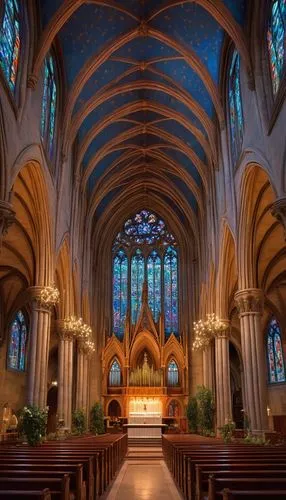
{"points": [[120, 277], [10, 41], [49, 105], [275, 358], [137, 279], [18, 342], [172, 374], [235, 106], [144, 253], [171, 291], [154, 283], [115, 374], [276, 41]]}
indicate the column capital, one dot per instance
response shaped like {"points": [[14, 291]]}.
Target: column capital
{"points": [[7, 217], [82, 347], [63, 333], [35, 294], [250, 300], [224, 331], [279, 212]]}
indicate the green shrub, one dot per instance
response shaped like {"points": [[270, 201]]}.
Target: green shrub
{"points": [[33, 423], [192, 414], [227, 431], [205, 409], [97, 419], [78, 422]]}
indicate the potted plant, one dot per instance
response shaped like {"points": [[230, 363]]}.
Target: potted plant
{"points": [[205, 410], [34, 424], [78, 422], [192, 414], [227, 431], [97, 419]]}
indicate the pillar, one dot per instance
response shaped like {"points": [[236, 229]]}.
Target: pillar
{"points": [[65, 374], [208, 366], [250, 307], [222, 375], [82, 378], [39, 351]]}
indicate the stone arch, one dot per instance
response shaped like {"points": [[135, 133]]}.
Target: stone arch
{"points": [[227, 272], [64, 280], [112, 402], [145, 341], [256, 199]]}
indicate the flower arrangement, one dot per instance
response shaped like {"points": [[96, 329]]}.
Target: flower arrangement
{"points": [[33, 424], [227, 431]]}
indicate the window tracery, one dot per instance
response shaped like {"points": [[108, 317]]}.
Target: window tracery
{"points": [[10, 41], [49, 105], [275, 357], [172, 374], [115, 374], [18, 342], [235, 106], [145, 251], [276, 42]]}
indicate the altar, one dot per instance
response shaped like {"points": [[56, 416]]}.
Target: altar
{"points": [[145, 418]]}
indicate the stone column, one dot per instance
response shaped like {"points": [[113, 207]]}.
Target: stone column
{"points": [[82, 377], [250, 307], [279, 211], [65, 373], [39, 350], [208, 366], [222, 374]]}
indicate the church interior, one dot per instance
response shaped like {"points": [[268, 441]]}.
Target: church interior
{"points": [[143, 217]]}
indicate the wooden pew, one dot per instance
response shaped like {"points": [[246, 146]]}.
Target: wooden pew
{"points": [[232, 470], [228, 494], [43, 462], [77, 485], [59, 488], [217, 485], [25, 495]]}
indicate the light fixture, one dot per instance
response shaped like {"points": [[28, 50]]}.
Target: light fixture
{"points": [[205, 331], [50, 295]]}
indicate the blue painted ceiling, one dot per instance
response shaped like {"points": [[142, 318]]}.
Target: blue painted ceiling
{"points": [[91, 29]]}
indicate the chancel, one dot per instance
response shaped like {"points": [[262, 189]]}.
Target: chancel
{"points": [[142, 248]]}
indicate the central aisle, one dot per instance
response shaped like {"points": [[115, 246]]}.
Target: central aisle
{"points": [[144, 476]]}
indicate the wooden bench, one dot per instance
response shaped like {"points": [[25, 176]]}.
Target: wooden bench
{"points": [[59, 488], [228, 494], [25, 495], [217, 485]]}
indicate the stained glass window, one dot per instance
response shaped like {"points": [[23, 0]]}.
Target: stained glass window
{"points": [[115, 374], [275, 358], [137, 279], [144, 253], [276, 41], [49, 104], [10, 41], [235, 106], [173, 374], [171, 291], [120, 277], [18, 342], [154, 283]]}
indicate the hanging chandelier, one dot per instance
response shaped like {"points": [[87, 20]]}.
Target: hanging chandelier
{"points": [[206, 330]]}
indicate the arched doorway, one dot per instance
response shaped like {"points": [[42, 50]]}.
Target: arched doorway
{"points": [[236, 386], [52, 401], [114, 409]]}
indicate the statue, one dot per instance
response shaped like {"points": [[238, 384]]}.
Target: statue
{"points": [[6, 416]]}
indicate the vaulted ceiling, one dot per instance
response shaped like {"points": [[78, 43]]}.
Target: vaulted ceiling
{"points": [[143, 103]]}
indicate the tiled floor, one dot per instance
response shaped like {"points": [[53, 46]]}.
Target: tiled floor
{"points": [[144, 480]]}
